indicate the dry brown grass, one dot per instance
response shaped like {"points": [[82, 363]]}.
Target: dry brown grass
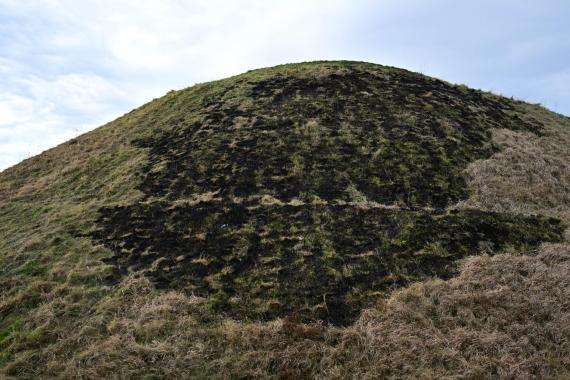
{"points": [[530, 175], [476, 325], [503, 317]]}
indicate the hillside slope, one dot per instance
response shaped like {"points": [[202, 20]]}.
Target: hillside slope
{"points": [[325, 219]]}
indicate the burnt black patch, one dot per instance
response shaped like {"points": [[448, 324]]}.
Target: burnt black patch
{"points": [[312, 261], [357, 136], [394, 137]]}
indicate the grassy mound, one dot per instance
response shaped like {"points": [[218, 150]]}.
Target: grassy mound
{"points": [[274, 215]]}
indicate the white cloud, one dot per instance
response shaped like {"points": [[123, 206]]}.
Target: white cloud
{"points": [[70, 66], [40, 113]]}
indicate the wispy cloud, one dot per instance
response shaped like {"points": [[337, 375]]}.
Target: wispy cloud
{"points": [[68, 66]]}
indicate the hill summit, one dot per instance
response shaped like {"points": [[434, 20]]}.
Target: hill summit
{"points": [[306, 193]]}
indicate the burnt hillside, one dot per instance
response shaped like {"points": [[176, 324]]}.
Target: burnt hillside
{"points": [[312, 220], [313, 196]]}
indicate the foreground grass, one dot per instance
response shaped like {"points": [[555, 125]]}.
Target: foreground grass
{"points": [[504, 316]]}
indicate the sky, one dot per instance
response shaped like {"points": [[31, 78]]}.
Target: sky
{"points": [[68, 66]]}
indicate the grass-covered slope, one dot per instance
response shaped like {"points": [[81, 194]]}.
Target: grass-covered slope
{"points": [[256, 217]]}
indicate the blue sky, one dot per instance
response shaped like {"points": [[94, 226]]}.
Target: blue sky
{"points": [[68, 66]]}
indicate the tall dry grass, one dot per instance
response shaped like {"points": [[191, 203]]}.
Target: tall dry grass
{"points": [[503, 317], [530, 175]]}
